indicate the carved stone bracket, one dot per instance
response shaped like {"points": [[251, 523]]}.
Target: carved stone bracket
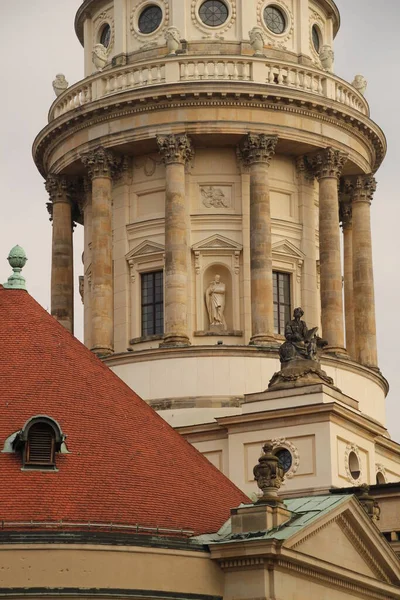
{"points": [[346, 214], [256, 148], [304, 169], [101, 163], [175, 148], [361, 188], [328, 163]]}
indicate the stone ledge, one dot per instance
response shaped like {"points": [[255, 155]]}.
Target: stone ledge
{"points": [[232, 333]]}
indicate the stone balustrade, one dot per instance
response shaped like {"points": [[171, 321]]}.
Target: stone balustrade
{"points": [[183, 69]]}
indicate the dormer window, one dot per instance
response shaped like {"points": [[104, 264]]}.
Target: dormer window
{"points": [[40, 446], [39, 441]]}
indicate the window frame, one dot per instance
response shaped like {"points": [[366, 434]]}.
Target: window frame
{"points": [[280, 328], [154, 303]]}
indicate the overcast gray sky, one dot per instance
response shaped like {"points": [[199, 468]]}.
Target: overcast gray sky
{"points": [[38, 41]]}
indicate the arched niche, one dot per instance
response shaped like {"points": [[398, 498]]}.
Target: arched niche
{"points": [[217, 255], [209, 276]]}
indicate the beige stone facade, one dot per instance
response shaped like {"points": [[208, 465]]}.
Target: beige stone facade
{"points": [[224, 164]]}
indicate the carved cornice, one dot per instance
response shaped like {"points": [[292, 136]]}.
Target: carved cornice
{"points": [[57, 132], [175, 148], [328, 163], [101, 162], [361, 188], [257, 148]]}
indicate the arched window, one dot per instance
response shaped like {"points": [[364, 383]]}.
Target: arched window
{"points": [[39, 441]]}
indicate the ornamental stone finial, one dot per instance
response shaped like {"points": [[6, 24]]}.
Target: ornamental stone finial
{"points": [[17, 259], [360, 83], [60, 84], [257, 40], [269, 475], [361, 188], [175, 148], [328, 163], [256, 148], [326, 57], [173, 39]]}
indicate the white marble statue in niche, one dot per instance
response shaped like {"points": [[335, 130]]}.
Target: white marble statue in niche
{"points": [[215, 302]]}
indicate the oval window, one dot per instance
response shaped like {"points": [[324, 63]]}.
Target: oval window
{"points": [[213, 13], [354, 465], [316, 38], [105, 36], [150, 19], [285, 458], [274, 19]]}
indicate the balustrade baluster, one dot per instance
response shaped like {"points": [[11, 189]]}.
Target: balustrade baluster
{"points": [[196, 69]]}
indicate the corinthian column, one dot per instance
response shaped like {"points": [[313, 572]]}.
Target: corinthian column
{"points": [[347, 226], [62, 267], [362, 191], [328, 165], [257, 151], [101, 164], [176, 151]]}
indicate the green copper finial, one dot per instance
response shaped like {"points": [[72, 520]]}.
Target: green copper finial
{"points": [[17, 259]]}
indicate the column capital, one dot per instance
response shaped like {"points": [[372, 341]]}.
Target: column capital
{"points": [[346, 215], [361, 188], [101, 162], [304, 168], [59, 188], [328, 163], [257, 148], [175, 148]]}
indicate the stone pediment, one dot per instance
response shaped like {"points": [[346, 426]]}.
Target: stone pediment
{"points": [[217, 242], [346, 538], [146, 248], [288, 249]]}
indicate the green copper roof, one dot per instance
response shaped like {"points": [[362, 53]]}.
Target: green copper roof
{"points": [[17, 259], [304, 511]]}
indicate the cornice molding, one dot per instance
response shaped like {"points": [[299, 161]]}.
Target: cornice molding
{"points": [[134, 103]]}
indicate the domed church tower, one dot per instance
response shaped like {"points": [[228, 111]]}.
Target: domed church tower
{"points": [[210, 154]]}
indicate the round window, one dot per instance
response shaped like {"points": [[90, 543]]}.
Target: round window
{"points": [[316, 38], [285, 458], [274, 19], [105, 36], [354, 465], [150, 19], [213, 13]]}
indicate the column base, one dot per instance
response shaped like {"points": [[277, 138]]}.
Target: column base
{"points": [[101, 351], [264, 340], [336, 351], [174, 341]]}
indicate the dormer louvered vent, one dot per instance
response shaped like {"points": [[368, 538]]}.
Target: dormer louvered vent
{"points": [[40, 447]]}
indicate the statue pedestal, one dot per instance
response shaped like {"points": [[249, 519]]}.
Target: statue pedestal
{"points": [[297, 373]]}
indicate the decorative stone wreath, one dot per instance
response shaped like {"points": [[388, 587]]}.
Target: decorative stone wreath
{"points": [[284, 443], [213, 31], [276, 39], [379, 468], [134, 18], [104, 18]]}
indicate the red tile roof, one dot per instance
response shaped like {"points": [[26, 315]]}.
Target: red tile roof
{"points": [[126, 464]]}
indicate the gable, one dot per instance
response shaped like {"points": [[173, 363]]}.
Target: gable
{"points": [[331, 544], [217, 241], [288, 249]]}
